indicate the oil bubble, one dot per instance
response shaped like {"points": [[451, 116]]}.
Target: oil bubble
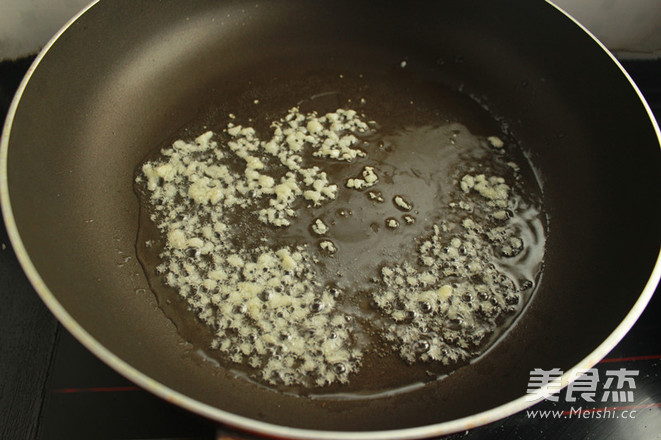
{"points": [[421, 346]]}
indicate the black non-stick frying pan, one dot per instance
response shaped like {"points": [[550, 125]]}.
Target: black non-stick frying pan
{"points": [[125, 76]]}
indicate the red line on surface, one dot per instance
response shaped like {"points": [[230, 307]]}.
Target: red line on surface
{"points": [[96, 390], [633, 358], [612, 408]]}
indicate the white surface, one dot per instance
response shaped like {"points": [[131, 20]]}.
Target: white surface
{"points": [[26, 25], [626, 27], [629, 28]]}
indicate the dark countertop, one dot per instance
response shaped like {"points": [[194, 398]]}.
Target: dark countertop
{"points": [[51, 387]]}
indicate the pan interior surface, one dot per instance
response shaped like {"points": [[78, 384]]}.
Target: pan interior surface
{"points": [[104, 96]]}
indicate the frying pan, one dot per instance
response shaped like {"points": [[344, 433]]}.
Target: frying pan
{"points": [[125, 76]]}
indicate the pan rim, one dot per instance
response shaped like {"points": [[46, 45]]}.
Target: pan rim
{"points": [[246, 423]]}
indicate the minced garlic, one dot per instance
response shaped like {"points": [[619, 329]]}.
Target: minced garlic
{"points": [[328, 246], [375, 195], [392, 223], [261, 302], [401, 203], [369, 178], [265, 304], [319, 227], [496, 142]]}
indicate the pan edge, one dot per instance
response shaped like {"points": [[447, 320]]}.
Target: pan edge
{"points": [[267, 428]]}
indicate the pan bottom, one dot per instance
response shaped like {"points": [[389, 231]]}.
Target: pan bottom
{"points": [[440, 158]]}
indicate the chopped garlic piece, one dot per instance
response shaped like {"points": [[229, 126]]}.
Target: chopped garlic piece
{"points": [[319, 227], [496, 142], [403, 204], [328, 246], [369, 178], [392, 223]]}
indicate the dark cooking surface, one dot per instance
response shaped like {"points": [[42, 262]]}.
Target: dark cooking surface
{"points": [[51, 387]]}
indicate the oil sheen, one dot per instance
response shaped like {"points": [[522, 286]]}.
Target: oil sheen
{"points": [[408, 259]]}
